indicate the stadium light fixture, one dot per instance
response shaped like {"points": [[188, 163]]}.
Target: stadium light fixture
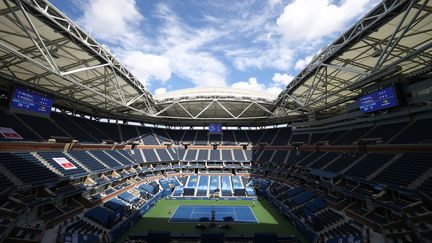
{"points": [[54, 53], [376, 52]]}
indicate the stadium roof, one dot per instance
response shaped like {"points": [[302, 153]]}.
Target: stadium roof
{"points": [[42, 49], [214, 103], [393, 38]]}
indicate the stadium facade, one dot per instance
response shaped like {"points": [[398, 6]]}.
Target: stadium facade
{"points": [[344, 152]]}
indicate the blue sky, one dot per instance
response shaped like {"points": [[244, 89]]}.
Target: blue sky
{"points": [[250, 44]]}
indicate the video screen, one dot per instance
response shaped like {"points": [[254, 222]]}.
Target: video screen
{"points": [[28, 102], [378, 100], [215, 128]]}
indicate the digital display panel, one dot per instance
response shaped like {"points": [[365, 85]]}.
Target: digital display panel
{"points": [[215, 128], [24, 101], [378, 100]]}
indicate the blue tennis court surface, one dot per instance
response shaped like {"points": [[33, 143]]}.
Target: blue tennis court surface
{"points": [[203, 213]]}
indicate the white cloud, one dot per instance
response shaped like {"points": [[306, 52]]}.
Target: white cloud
{"points": [[275, 91], [160, 91], [274, 3], [147, 66], [311, 19], [282, 79], [250, 36], [276, 56], [302, 63], [201, 68], [112, 20], [188, 51], [253, 84]]}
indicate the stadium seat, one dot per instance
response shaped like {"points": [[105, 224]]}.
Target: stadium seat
{"points": [[28, 168]]}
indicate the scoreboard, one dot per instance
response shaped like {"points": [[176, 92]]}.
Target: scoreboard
{"points": [[378, 100], [27, 102], [215, 128]]}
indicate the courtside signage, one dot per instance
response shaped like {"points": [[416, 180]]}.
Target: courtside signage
{"points": [[9, 133], [64, 163]]}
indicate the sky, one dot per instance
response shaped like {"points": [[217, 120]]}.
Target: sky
{"points": [[259, 45]]}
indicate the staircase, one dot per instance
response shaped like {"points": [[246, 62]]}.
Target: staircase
{"points": [[384, 166], [48, 165], [417, 182]]}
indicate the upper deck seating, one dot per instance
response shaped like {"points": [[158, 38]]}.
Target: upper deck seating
{"points": [[107, 160], [352, 136], [296, 156], [406, 169], [311, 158], [5, 183], [88, 161], [279, 156], [228, 138], [215, 138], [316, 137], [43, 126], [89, 127], [128, 132], [27, 168], [266, 155], [268, 136], [203, 154], [163, 154], [72, 128], [303, 138], [110, 129], [227, 154], [201, 137], [418, 132], [324, 160], [189, 136], [10, 121], [162, 135], [369, 164], [239, 155], [241, 136], [215, 154], [175, 135], [385, 131], [124, 156], [343, 162], [254, 136], [282, 137], [78, 171]]}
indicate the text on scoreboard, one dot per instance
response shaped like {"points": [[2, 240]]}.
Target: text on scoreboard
{"points": [[378, 100], [27, 101]]}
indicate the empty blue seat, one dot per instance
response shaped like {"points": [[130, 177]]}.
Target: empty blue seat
{"points": [[368, 165], [150, 155], [72, 128], [27, 168], [106, 159], [203, 154], [88, 161], [121, 156], [163, 154], [227, 154], [406, 169], [78, 171], [43, 126]]}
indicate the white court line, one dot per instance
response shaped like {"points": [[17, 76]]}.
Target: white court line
{"points": [[223, 212], [235, 214], [169, 220], [256, 219], [190, 217]]}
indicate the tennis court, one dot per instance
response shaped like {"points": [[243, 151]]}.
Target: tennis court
{"points": [[203, 213]]}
